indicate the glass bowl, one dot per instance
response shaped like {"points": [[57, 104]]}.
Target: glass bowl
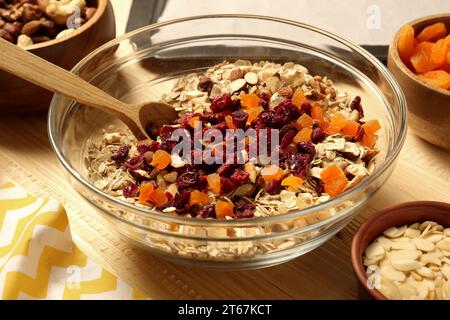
{"points": [[143, 64]]}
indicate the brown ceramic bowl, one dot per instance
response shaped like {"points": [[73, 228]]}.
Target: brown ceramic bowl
{"points": [[395, 216], [429, 106], [19, 96]]}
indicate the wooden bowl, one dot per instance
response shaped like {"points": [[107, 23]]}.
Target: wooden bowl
{"points": [[395, 216], [429, 106], [19, 96]]}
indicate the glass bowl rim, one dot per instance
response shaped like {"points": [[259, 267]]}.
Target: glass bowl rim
{"points": [[149, 213]]}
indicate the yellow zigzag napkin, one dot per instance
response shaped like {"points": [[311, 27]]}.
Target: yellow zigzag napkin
{"points": [[38, 259]]}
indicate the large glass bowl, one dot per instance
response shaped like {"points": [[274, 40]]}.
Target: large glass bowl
{"points": [[143, 64]]}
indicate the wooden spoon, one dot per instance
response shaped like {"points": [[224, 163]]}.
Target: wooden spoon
{"points": [[44, 74]]}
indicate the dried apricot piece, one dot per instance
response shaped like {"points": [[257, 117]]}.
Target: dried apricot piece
{"points": [[272, 172], [304, 121], [224, 209], [332, 173], [317, 112], [336, 187], [198, 198], [194, 122], [299, 98], [406, 43], [439, 52], [334, 180], [253, 113], [330, 130], [351, 128], [250, 100], [229, 122], [338, 121], [158, 197], [369, 140], [421, 58], [214, 182], [438, 78], [145, 190], [292, 182], [432, 33], [303, 135], [161, 159], [371, 126]]}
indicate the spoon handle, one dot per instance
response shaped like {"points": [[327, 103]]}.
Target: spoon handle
{"points": [[42, 73]]}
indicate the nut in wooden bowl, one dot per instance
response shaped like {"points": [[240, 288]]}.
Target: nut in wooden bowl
{"points": [[41, 32], [403, 251], [428, 105]]}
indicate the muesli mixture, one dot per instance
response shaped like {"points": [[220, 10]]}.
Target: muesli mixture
{"points": [[326, 146]]}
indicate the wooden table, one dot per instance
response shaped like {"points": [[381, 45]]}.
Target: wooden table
{"points": [[422, 173]]}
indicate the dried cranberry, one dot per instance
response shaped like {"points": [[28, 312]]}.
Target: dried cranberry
{"points": [[285, 129], [356, 105], [166, 132], [130, 190], [207, 211], [307, 148], [288, 110], [225, 169], [287, 139], [211, 117], [169, 196], [236, 104], [222, 127], [148, 145], [205, 84], [184, 120], [244, 209], [168, 145], [239, 176], [287, 134], [221, 103], [188, 179], [134, 163], [226, 185], [279, 120], [239, 118], [299, 164], [306, 108], [273, 187], [202, 184], [264, 100], [181, 200], [318, 135], [121, 154], [359, 135], [320, 188], [266, 117], [152, 131]]}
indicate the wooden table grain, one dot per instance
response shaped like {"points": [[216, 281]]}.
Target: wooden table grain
{"points": [[422, 173]]}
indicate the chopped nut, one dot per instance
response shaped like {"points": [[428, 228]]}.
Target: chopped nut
{"points": [[412, 262], [237, 74], [237, 85], [251, 78]]}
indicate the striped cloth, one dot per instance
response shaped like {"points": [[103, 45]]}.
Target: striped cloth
{"points": [[39, 260]]}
